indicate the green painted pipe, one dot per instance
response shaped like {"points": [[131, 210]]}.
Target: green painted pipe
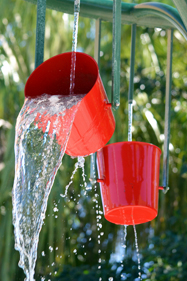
{"points": [[116, 51], [132, 63], [40, 32], [150, 14], [165, 178]]}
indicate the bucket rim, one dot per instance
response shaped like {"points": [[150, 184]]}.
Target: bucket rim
{"points": [[43, 65], [131, 142]]}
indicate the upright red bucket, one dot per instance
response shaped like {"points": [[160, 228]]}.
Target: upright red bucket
{"points": [[94, 122], [129, 181]]}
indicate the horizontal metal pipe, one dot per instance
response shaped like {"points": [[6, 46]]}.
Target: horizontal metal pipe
{"points": [[150, 14]]}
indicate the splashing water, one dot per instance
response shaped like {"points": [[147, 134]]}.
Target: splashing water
{"points": [[78, 164], [81, 161], [137, 252], [42, 131], [74, 45]]}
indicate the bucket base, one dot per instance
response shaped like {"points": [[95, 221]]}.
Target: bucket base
{"points": [[131, 215]]}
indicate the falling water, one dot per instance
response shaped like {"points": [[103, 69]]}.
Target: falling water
{"points": [[78, 164], [81, 161], [75, 26], [99, 229], [74, 45], [137, 252], [125, 237], [124, 241], [42, 131], [130, 113]]}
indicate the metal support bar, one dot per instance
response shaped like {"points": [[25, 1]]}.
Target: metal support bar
{"points": [[132, 61], [116, 53], [131, 81], [148, 14], [40, 32], [97, 41], [97, 58], [167, 111]]}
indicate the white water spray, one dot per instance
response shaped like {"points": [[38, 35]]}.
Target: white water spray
{"points": [[39, 148]]}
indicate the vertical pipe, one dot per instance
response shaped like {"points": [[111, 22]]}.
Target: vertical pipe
{"points": [[131, 81], [40, 32], [97, 41], [96, 57], [116, 51], [167, 111]]}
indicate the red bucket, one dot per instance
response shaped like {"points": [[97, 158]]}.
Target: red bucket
{"points": [[129, 181], [94, 122]]}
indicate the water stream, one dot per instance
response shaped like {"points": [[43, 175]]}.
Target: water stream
{"points": [[137, 253], [130, 119], [42, 131], [79, 164], [125, 238], [74, 45], [130, 114]]}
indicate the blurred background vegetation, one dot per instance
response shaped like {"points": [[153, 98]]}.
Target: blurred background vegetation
{"points": [[76, 242]]}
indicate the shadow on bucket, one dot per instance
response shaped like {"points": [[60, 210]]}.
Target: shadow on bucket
{"points": [[129, 181], [94, 122]]}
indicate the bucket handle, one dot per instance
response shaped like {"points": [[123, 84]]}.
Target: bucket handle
{"points": [[100, 180]]}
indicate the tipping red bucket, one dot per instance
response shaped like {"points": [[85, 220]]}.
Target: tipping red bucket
{"points": [[129, 181], [94, 122]]}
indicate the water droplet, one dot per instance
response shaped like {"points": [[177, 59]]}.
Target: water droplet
{"points": [[55, 209], [50, 248]]}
